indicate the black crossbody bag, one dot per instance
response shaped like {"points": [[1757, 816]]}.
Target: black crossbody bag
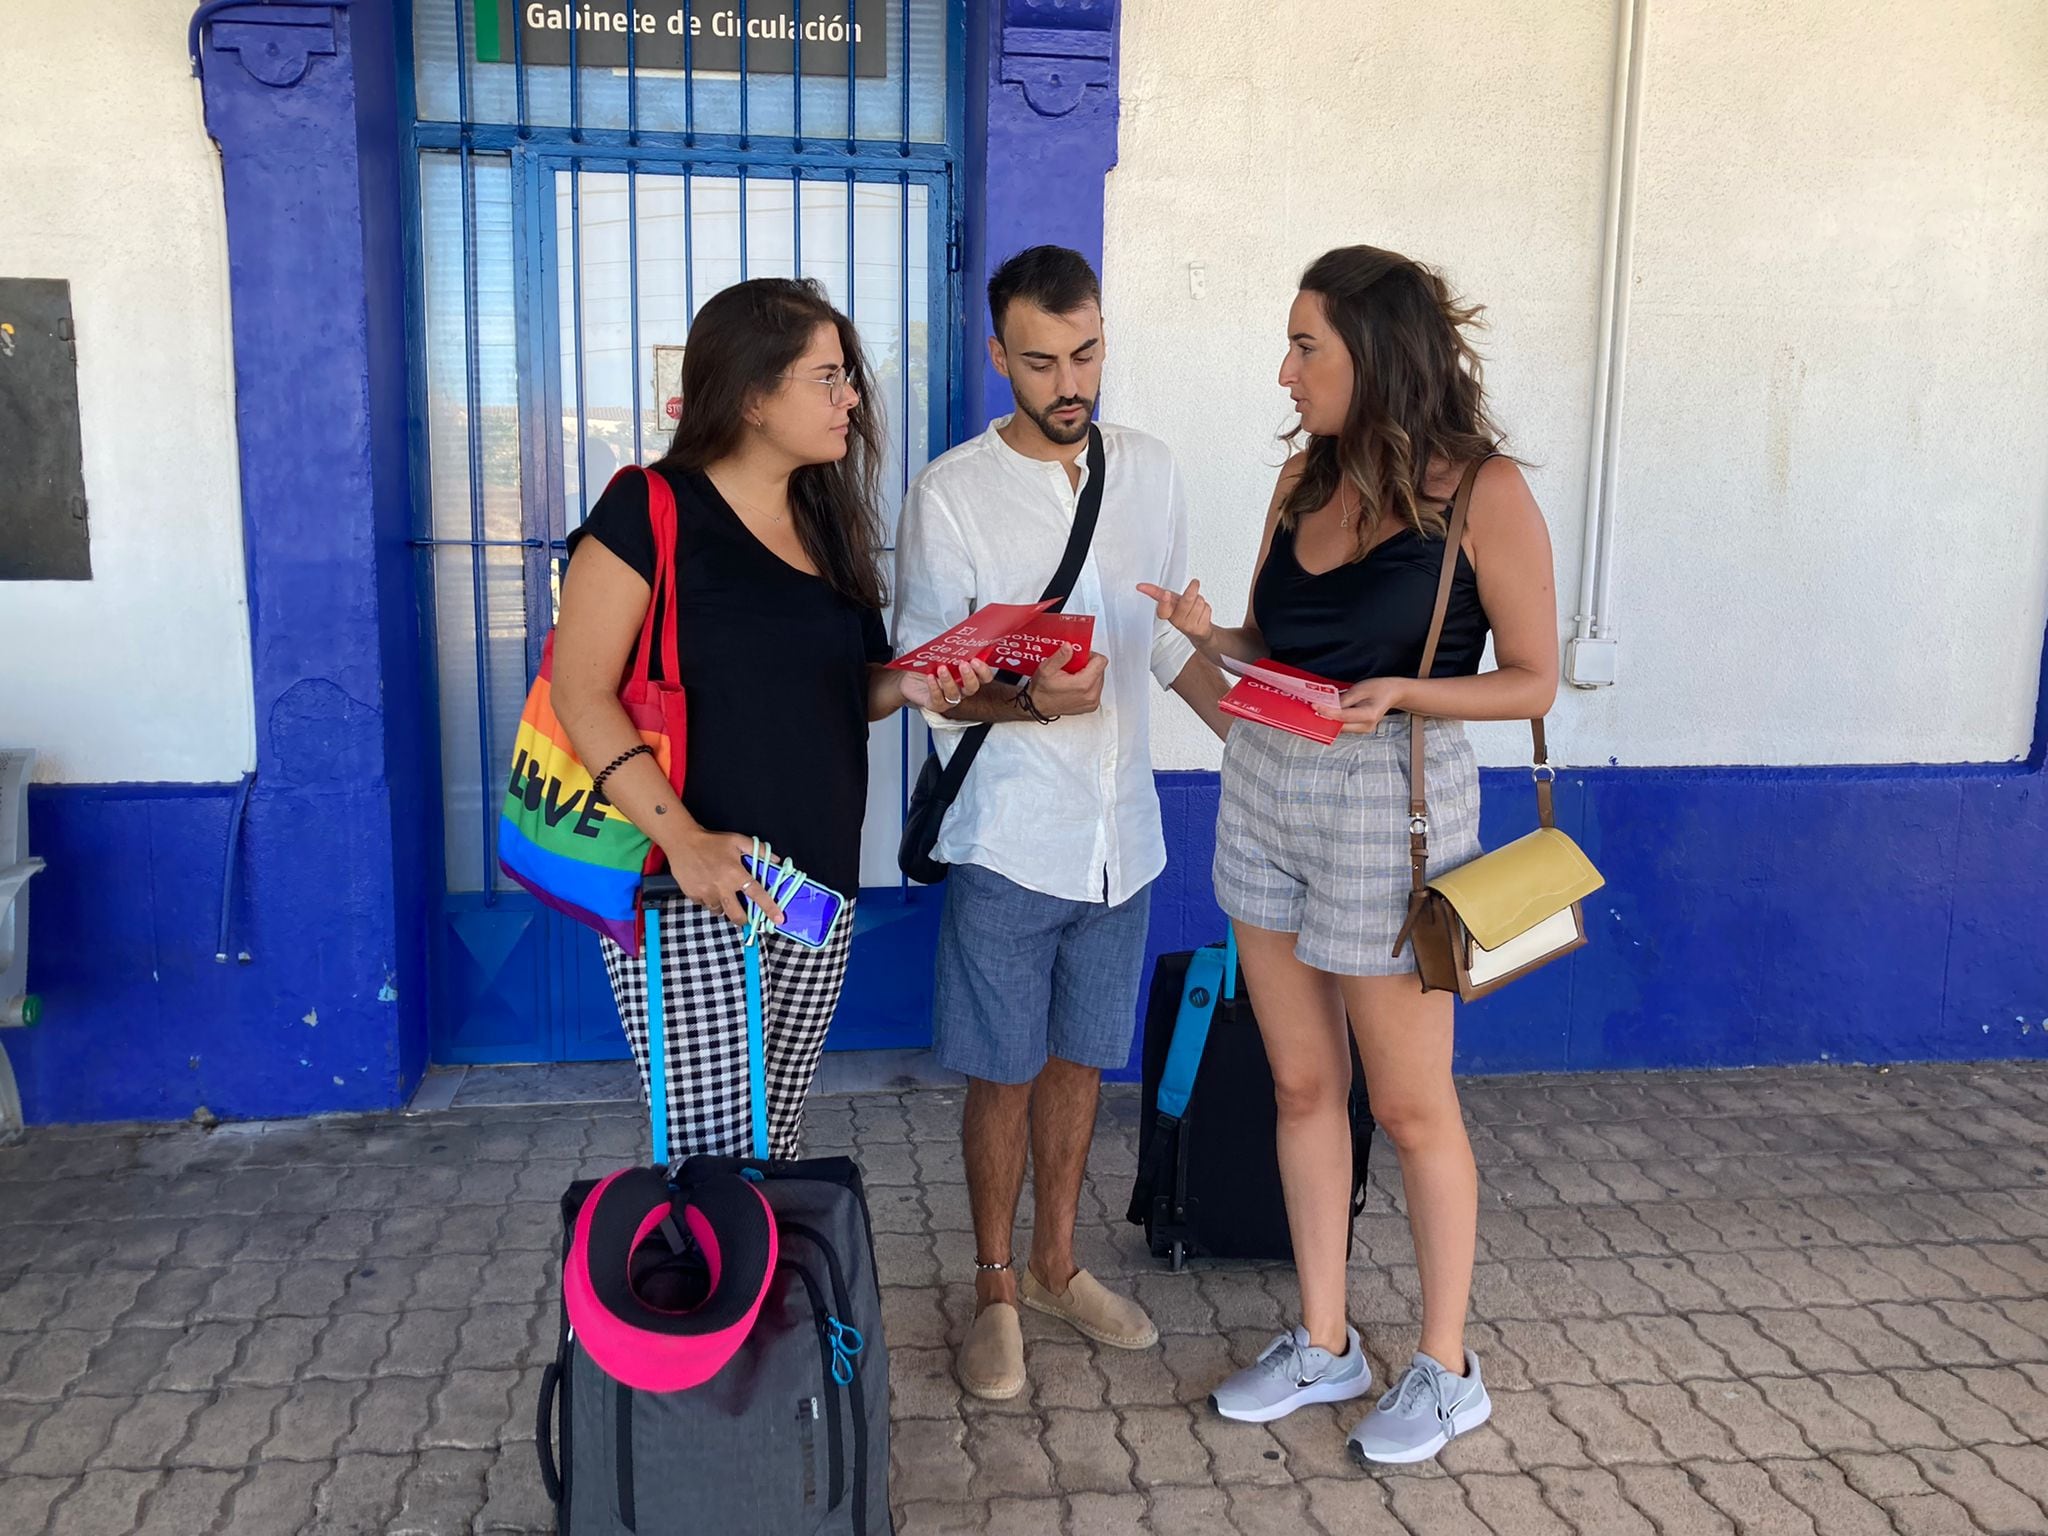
{"points": [[939, 786]]}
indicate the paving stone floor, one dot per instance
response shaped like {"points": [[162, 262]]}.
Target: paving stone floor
{"points": [[1810, 1301]]}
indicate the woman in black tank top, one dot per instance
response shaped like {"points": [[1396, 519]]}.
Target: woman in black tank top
{"points": [[1368, 617], [1312, 840]]}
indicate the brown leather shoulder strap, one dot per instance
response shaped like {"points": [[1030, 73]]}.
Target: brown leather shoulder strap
{"points": [[1454, 536], [1418, 789], [1418, 803], [1418, 792], [1546, 812]]}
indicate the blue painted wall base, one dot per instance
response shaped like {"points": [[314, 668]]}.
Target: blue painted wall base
{"points": [[1752, 917], [141, 1023]]}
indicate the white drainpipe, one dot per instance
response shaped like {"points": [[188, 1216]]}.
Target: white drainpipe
{"points": [[1592, 657]]}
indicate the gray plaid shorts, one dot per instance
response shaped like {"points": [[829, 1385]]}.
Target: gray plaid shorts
{"points": [[1313, 840]]}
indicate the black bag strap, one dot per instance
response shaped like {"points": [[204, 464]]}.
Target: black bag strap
{"points": [[1057, 591], [1359, 1108], [544, 1433], [1061, 587]]}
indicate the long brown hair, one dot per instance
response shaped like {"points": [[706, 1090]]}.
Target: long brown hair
{"points": [[742, 340], [1415, 393]]}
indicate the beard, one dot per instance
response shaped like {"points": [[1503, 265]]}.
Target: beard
{"points": [[1054, 429]]}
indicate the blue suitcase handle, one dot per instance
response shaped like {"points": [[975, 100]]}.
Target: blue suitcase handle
{"points": [[657, 1046], [1212, 973]]}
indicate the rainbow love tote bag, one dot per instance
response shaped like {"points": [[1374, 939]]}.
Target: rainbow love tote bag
{"points": [[557, 835]]}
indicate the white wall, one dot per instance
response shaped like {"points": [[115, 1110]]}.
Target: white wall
{"points": [[1833, 488], [141, 674]]}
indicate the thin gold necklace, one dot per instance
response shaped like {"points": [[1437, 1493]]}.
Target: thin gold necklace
{"points": [[1345, 520], [747, 506]]}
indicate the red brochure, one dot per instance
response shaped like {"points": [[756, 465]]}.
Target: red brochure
{"points": [[1013, 637], [1283, 697]]}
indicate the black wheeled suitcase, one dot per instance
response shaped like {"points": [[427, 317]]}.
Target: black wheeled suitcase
{"points": [[720, 1366], [1208, 1174], [790, 1435]]}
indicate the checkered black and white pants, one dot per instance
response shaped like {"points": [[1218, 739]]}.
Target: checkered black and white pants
{"points": [[704, 992]]}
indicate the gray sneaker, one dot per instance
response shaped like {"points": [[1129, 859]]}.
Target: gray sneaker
{"points": [[1291, 1374], [1422, 1413]]}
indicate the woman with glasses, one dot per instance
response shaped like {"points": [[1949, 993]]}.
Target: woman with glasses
{"points": [[777, 602]]}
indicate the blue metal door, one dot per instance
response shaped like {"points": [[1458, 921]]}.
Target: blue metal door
{"points": [[571, 216]]}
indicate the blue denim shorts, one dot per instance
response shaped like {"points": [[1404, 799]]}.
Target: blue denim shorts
{"points": [[1022, 975]]}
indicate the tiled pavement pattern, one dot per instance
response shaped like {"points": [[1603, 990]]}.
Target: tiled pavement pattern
{"points": [[1806, 1301]]}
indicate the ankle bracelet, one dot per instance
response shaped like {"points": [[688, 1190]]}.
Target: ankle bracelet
{"points": [[993, 1269]]}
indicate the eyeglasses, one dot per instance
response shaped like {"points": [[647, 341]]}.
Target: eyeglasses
{"points": [[838, 387]]}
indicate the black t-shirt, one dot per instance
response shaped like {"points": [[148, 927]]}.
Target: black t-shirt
{"points": [[775, 667]]}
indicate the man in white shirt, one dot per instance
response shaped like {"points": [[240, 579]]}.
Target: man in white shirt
{"points": [[1054, 839]]}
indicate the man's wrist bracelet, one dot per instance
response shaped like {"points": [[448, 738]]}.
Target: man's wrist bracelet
{"points": [[1030, 705]]}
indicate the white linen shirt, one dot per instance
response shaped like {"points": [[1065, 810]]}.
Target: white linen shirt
{"points": [[1067, 809]]}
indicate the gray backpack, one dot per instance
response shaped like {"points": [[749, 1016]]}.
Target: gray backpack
{"points": [[788, 1435], [789, 1438]]}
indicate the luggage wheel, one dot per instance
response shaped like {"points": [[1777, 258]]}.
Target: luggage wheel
{"points": [[1177, 1256]]}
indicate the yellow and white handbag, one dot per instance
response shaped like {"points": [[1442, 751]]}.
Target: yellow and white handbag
{"points": [[1506, 913]]}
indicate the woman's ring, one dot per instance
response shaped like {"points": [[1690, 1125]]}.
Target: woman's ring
{"points": [[950, 699]]}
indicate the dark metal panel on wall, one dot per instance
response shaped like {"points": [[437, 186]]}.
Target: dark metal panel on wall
{"points": [[43, 534]]}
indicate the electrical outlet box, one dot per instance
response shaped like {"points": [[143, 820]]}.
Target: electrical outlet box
{"points": [[1592, 663]]}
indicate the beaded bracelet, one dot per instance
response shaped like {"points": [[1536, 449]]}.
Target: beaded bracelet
{"points": [[625, 757]]}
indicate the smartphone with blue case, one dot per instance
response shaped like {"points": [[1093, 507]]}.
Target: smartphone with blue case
{"points": [[810, 911]]}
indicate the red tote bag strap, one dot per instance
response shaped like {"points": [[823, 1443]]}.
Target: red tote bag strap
{"points": [[661, 512], [661, 518]]}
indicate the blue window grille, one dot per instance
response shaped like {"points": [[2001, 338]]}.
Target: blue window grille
{"points": [[571, 214]]}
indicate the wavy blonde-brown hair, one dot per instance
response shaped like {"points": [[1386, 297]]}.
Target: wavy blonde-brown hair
{"points": [[1416, 392]]}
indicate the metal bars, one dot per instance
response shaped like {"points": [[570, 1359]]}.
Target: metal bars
{"points": [[613, 201]]}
